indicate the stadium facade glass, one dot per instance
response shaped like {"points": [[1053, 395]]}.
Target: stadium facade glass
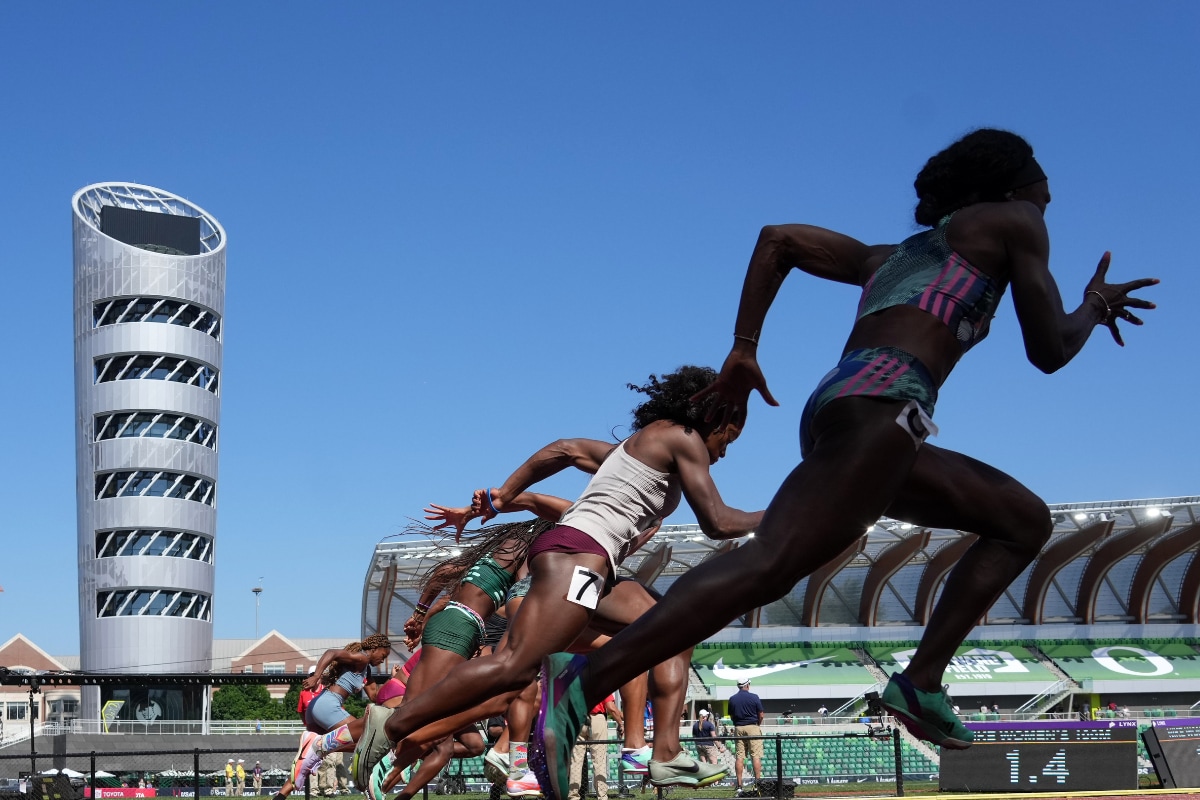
{"points": [[149, 292]]}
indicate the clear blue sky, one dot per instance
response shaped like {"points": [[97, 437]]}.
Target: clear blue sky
{"points": [[456, 230]]}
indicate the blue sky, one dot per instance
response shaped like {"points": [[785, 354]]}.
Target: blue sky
{"points": [[457, 230]]}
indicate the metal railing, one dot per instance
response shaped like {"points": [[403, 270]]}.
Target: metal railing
{"points": [[175, 727]]}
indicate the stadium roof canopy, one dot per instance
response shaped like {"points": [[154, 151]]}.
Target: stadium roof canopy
{"points": [[1119, 561]]}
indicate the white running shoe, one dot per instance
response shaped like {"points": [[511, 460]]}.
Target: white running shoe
{"points": [[495, 766]]}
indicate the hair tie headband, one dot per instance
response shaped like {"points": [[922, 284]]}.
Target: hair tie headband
{"points": [[1027, 175]]}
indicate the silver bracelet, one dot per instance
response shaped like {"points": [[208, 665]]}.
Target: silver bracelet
{"points": [[1107, 307], [751, 339]]}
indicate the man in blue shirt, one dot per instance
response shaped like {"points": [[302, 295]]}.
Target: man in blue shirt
{"points": [[746, 711], [705, 734]]}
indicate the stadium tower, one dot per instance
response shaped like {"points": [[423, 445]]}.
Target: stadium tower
{"points": [[149, 303]]}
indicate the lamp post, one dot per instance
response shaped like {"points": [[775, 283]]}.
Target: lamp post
{"points": [[257, 595]]}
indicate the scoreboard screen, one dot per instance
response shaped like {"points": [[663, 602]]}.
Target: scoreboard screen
{"points": [[1174, 748], [1044, 757]]}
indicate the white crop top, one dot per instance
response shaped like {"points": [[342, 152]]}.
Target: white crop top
{"points": [[622, 499]]}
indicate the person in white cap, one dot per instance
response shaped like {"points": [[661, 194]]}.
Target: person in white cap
{"points": [[746, 710], [240, 772], [705, 734]]}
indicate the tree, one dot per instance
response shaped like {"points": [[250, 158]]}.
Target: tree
{"points": [[252, 701]]}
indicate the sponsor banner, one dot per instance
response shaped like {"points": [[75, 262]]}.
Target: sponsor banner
{"points": [[778, 665], [880, 777], [120, 791], [1086, 661], [1181, 722], [975, 664], [1037, 726]]}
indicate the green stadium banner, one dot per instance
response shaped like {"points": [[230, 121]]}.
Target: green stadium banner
{"points": [[974, 664], [1137, 661], [722, 665]]}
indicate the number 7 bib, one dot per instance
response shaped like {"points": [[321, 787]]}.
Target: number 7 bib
{"points": [[585, 587]]}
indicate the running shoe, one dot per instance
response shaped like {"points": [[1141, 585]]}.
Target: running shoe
{"points": [[562, 714], [374, 788], [495, 766], [316, 754], [371, 746], [636, 762], [524, 786], [307, 739], [928, 715], [683, 770]]}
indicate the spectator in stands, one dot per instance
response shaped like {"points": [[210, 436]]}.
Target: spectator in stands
{"points": [[595, 731], [746, 710], [258, 772], [995, 708], [705, 734], [823, 711]]}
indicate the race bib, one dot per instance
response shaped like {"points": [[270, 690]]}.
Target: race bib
{"points": [[916, 422], [585, 587]]}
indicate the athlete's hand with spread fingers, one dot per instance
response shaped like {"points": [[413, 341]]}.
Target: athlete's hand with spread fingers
{"points": [[458, 517], [1116, 298], [740, 375]]}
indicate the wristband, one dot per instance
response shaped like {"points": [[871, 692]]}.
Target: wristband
{"points": [[492, 505], [751, 339]]}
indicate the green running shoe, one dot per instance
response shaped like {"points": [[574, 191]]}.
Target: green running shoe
{"points": [[683, 770], [927, 715], [371, 746], [374, 789], [562, 714]]}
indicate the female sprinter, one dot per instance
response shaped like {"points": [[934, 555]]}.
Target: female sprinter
{"points": [[925, 302]]}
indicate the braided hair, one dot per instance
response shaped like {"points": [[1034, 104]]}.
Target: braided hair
{"points": [[977, 168], [376, 641], [670, 397], [334, 671], [510, 541]]}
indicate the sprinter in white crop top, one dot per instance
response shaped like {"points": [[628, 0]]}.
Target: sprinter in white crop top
{"points": [[573, 565]]}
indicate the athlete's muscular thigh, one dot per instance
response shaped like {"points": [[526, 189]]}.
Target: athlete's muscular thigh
{"points": [[548, 621], [946, 489]]}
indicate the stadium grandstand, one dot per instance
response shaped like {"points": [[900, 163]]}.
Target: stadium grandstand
{"points": [[1105, 622]]}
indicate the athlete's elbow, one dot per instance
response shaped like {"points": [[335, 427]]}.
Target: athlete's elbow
{"points": [[1047, 359], [721, 530]]}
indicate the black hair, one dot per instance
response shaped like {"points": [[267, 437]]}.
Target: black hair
{"points": [[670, 397], [508, 543], [977, 168]]}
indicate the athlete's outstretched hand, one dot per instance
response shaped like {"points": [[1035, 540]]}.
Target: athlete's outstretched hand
{"points": [[1116, 297], [458, 517], [740, 374]]}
